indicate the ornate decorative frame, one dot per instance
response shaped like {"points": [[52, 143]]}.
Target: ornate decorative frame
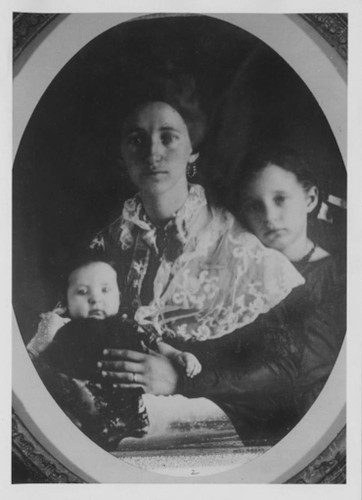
{"points": [[42, 467]]}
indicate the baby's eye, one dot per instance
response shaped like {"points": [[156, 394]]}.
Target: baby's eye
{"points": [[106, 289], [82, 291], [168, 137]]}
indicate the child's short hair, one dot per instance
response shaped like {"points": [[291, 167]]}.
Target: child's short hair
{"points": [[80, 258], [289, 160]]}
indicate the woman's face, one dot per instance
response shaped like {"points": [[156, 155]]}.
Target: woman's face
{"points": [[275, 207], [156, 148]]}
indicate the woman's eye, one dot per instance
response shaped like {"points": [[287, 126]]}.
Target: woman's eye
{"points": [[134, 140], [168, 138]]}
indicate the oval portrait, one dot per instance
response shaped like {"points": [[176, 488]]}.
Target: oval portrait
{"points": [[179, 196]]}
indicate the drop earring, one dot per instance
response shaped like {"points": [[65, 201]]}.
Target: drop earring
{"points": [[191, 170]]}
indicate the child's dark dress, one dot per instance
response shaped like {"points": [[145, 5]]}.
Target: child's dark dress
{"points": [[72, 357], [266, 375]]}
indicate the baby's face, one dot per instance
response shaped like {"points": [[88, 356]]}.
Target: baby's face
{"points": [[93, 291]]}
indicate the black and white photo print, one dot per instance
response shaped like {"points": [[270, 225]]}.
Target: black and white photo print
{"points": [[179, 247]]}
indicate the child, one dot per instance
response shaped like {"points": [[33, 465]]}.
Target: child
{"points": [[278, 195], [93, 301], [279, 204], [267, 374]]}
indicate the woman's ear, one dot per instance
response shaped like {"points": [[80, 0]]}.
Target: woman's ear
{"points": [[193, 157], [312, 196]]}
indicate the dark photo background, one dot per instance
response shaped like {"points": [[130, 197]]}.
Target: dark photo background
{"points": [[67, 181]]}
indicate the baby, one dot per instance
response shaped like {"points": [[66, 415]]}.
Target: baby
{"points": [[92, 292], [73, 346]]}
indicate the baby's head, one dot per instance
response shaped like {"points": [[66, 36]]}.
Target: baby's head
{"points": [[278, 193], [92, 289]]}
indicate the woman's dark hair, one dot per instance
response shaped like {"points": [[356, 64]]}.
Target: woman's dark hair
{"points": [[177, 90], [285, 158]]}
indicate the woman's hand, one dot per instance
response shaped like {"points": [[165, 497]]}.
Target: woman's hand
{"points": [[151, 371]]}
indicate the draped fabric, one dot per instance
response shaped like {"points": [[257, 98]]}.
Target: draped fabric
{"points": [[213, 275]]}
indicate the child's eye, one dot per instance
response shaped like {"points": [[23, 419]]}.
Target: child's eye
{"points": [[82, 291], [105, 289], [279, 200]]}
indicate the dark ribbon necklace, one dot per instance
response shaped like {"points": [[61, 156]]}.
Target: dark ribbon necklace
{"points": [[302, 262]]}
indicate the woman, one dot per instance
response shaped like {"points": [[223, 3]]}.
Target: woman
{"points": [[188, 269]]}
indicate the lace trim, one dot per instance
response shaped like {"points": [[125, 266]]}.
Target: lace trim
{"points": [[220, 278]]}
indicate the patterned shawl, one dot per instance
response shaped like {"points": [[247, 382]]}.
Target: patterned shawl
{"points": [[213, 275]]}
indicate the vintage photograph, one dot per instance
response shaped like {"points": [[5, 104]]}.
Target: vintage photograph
{"points": [[179, 242]]}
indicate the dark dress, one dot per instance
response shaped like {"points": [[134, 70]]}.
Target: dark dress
{"points": [[266, 375], [72, 357]]}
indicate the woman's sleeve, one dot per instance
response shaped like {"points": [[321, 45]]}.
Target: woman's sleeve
{"points": [[241, 381], [292, 347], [272, 335], [262, 356]]}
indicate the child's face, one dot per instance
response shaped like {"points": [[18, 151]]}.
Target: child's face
{"points": [[93, 291], [276, 206]]}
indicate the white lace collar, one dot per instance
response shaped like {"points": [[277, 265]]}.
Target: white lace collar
{"points": [[179, 226]]}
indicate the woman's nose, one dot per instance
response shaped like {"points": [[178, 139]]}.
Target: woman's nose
{"points": [[155, 149]]}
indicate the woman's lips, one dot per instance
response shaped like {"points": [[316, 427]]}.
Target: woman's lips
{"points": [[154, 173], [154, 177]]}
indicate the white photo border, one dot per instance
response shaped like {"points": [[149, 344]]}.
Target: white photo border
{"points": [[29, 85]]}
